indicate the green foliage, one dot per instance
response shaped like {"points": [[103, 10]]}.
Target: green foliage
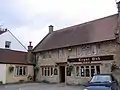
{"points": [[114, 67], [30, 78], [21, 81], [69, 70], [11, 68], [36, 68]]}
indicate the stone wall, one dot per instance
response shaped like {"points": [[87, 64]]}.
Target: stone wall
{"points": [[11, 77], [96, 49]]}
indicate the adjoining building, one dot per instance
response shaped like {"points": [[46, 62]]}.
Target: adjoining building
{"points": [[74, 54], [15, 64]]}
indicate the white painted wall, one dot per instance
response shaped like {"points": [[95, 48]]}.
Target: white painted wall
{"points": [[15, 45], [3, 73]]}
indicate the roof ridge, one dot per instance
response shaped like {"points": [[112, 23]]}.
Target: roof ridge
{"points": [[40, 42], [12, 50], [66, 28], [17, 39]]}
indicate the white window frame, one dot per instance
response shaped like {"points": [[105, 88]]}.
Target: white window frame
{"points": [[8, 44], [17, 70]]}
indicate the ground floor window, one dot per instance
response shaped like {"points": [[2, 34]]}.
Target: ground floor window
{"points": [[87, 70], [98, 69], [82, 71], [47, 71], [51, 71], [21, 70], [92, 71]]}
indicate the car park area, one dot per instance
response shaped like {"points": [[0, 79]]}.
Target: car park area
{"points": [[40, 86]]}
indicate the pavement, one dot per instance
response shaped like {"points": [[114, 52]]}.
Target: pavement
{"points": [[39, 86]]}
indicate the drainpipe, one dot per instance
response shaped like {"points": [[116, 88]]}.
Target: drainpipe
{"points": [[34, 77]]}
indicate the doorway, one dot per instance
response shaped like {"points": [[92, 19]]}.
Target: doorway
{"points": [[62, 74]]}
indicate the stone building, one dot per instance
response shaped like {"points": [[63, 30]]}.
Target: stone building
{"points": [[74, 54], [15, 62]]}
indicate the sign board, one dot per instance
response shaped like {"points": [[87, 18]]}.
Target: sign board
{"points": [[89, 59]]}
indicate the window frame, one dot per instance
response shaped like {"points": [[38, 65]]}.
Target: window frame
{"points": [[7, 44], [21, 70]]}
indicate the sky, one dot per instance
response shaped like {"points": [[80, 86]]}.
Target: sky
{"points": [[28, 20]]}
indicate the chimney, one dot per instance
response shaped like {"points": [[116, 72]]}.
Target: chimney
{"points": [[29, 53], [118, 6], [50, 29], [117, 31], [30, 47]]}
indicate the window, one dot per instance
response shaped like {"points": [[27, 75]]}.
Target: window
{"points": [[61, 53], [45, 71], [48, 71], [43, 55], [42, 71], [24, 70], [51, 71], [98, 69], [94, 49], [55, 71], [79, 50], [82, 71], [92, 71], [21, 70], [87, 71], [17, 70], [49, 54], [7, 44], [77, 71]]}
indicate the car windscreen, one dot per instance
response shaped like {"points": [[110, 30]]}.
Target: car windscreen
{"points": [[101, 78]]}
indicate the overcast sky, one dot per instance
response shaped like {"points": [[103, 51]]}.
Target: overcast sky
{"points": [[28, 20]]}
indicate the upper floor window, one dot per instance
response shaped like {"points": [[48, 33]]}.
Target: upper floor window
{"points": [[84, 50], [7, 44], [49, 54], [61, 53]]}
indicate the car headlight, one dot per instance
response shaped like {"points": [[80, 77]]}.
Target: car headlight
{"points": [[85, 89]]}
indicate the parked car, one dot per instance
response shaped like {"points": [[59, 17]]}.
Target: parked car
{"points": [[102, 82]]}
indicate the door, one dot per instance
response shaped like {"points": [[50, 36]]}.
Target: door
{"points": [[62, 74]]}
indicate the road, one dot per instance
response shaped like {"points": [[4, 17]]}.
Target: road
{"points": [[39, 86]]}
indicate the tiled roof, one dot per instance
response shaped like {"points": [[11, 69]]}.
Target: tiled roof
{"points": [[94, 31], [11, 56]]}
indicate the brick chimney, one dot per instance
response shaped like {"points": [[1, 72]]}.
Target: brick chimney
{"points": [[29, 54], [50, 29]]}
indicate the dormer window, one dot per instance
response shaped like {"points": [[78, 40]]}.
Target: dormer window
{"points": [[7, 44]]}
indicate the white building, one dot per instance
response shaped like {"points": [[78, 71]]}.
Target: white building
{"points": [[9, 41], [14, 65]]}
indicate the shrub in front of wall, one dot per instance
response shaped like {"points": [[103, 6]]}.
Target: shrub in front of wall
{"points": [[11, 68], [21, 81], [30, 78], [36, 69], [114, 67], [69, 70]]}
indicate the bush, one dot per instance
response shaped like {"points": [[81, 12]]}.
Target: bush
{"points": [[1, 82], [11, 68], [21, 81], [30, 78], [45, 81], [36, 69]]}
